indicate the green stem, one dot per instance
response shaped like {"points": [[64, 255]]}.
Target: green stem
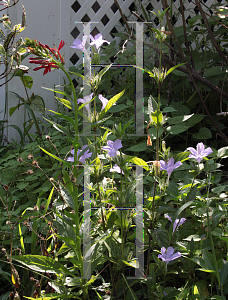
{"points": [[211, 240], [75, 196]]}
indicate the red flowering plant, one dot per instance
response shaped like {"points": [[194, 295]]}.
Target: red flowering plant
{"points": [[45, 55]]}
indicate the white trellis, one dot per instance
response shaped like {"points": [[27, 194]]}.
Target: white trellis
{"points": [[54, 20]]}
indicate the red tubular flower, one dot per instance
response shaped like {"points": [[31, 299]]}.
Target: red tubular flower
{"points": [[44, 64], [61, 44]]}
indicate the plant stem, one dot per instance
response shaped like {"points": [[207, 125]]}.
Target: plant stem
{"points": [[211, 239]]}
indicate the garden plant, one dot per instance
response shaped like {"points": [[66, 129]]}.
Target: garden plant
{"points": [[90, 211]]}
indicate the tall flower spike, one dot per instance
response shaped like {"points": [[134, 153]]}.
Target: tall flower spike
{"points": [[200, 152]]}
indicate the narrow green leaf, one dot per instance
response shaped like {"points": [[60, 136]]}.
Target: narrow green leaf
{"points": [[109, 105], [132, 293], [56, 157], [42, 264], [183, 207], [69, 119], [54, 296], [48, 201], [21, 238], [59, 128], [58, 92], [173, 68], [64, 102]]}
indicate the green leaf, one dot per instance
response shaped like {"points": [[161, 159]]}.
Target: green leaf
{"points": [[71, 243], [68, 182], [157, 117], [42, 264], [54, 296], [176, 129], [27, 81], [160, 236], [181, 156], [58, 92], [214, 71], [22, 185], [48, 201], [178, 119], [224, 271], [18, 130], [70, 120], [209, 260], [2, 51], [59, 128], [134, 263], [168, 109], [38, 104], [64, 102], [138, 161], [56, 157], [203, 133], [109, 105], [223, 152], [183, 207], [12, 109], [139, 147], [67, 197], [21, 238], [173, 68], [73, 70], [134, 297]]}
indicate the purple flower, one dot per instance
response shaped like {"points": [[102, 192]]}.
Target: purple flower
{"points": [[86, 99], [104, 101], [200, 152], [112, 147], [177, 223], [78, 44], [168, 217], [98, 41], [170, 166], [82, 159], [168, 255], [116, 169]]}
